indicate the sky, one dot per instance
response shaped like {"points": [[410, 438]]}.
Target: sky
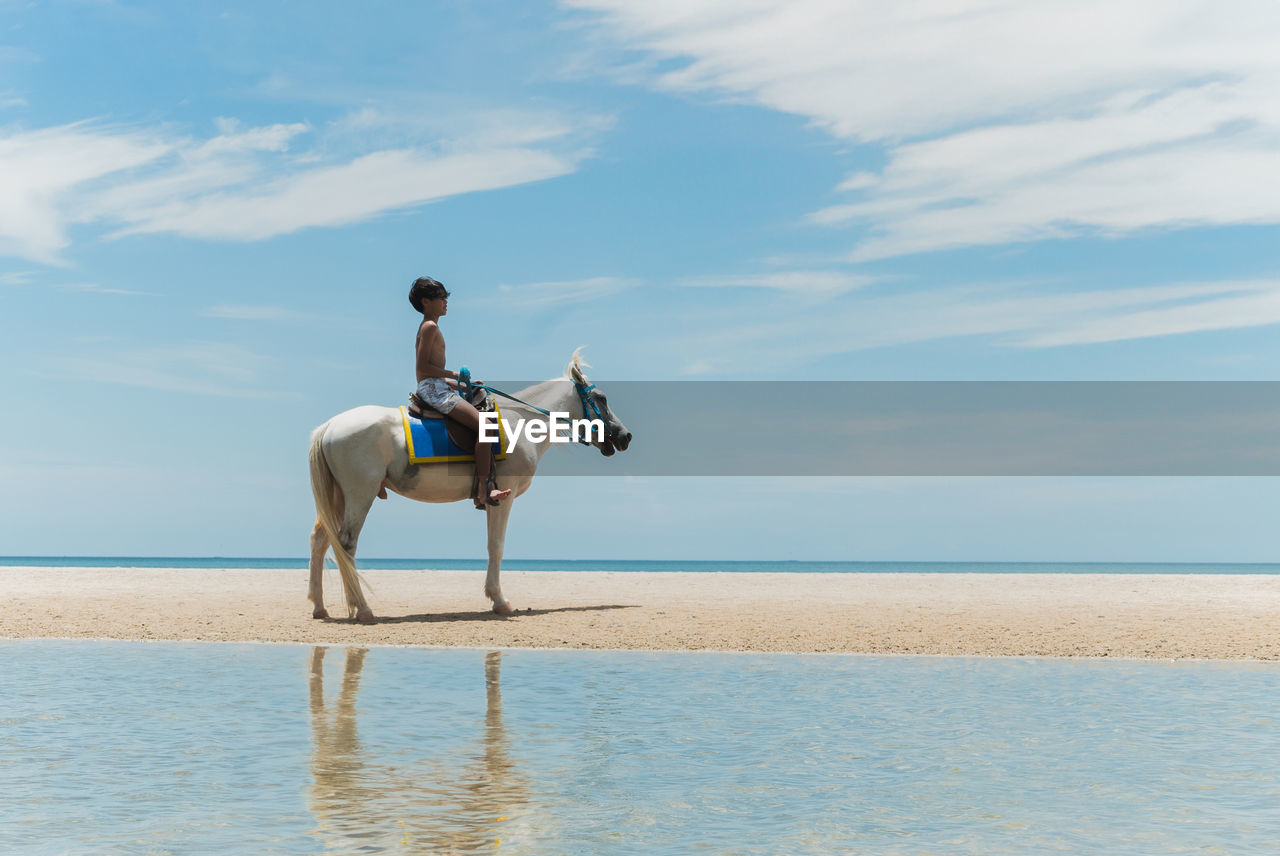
{"points": [[210, 215]]}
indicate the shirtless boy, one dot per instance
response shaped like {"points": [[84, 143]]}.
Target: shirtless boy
{"points": [[437, 386]]}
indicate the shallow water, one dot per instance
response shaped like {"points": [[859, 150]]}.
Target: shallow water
{"points": [[198, 748]]}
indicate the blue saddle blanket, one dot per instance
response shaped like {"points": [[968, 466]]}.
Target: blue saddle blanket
{"points": [[428, 442]]}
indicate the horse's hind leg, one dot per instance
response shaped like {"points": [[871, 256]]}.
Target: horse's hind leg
{"points": [[353, 517], [315, 591]]}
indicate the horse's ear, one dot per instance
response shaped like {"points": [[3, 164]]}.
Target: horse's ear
{"points": [[576, 365]]}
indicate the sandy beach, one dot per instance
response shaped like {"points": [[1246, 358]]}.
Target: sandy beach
{"points": [[1062, 615]]}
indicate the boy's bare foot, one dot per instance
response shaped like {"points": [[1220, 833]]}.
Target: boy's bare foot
{"points": [[495, 496]]}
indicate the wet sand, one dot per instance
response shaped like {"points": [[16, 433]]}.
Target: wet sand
{"points": [[1062, 615]]}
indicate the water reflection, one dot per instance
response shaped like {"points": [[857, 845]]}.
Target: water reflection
{"points": [[442, 799]]}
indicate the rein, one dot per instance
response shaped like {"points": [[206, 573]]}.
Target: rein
{"points": [[464, 383]]}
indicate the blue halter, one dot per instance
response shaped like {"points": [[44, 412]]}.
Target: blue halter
{"points": [[588, 401]]}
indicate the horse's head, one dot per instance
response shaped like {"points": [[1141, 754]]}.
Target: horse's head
{"points": [[595, 405]]}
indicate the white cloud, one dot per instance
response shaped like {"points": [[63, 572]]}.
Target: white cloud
{"points": [[244, 183], [10, 53], [814, 283], [538, 294], [1013, 316], [1258, 306], [272, 138], [1165, 164], [16, 277], [240, 312], [96, 288], [44, 170], [342, 194], [1001, 120], [458, 127], [200, 368]]}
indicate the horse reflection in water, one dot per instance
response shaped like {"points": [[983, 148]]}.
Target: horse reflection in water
{"points": [[417, 806]]}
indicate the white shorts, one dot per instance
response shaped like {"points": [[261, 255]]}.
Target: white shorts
{"points": [[436, 392]]}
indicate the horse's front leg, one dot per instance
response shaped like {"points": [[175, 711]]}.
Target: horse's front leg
{"points": [[497, 519], [315, 591]]}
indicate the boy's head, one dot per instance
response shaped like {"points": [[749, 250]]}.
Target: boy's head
{"points": [[425, 288]]}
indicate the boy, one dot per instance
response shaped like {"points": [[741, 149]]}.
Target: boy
{"points": [[437, 385]]}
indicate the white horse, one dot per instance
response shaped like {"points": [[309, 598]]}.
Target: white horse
{"points": [[359, 454]]}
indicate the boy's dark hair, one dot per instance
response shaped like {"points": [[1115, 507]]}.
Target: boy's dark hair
{"points": [[425, 288]]}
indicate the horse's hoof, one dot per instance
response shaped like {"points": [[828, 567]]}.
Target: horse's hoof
{"points": [[365, 616], [320, 612], [504, 609]]}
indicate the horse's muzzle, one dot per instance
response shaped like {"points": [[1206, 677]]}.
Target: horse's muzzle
{"points": [[616, 441]]}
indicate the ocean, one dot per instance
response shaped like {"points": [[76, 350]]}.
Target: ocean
{"points": [[655, 565]]}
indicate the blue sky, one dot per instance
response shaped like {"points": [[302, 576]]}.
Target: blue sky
{"points": [[211, 214]]}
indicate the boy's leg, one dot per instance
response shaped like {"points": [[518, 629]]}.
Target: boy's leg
{"points": [[466, 413]]}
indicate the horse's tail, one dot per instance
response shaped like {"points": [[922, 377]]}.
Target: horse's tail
{"points": [[329, 500]]}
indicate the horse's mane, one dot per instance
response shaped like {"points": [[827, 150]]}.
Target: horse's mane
{"points": [[576, 365]]}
